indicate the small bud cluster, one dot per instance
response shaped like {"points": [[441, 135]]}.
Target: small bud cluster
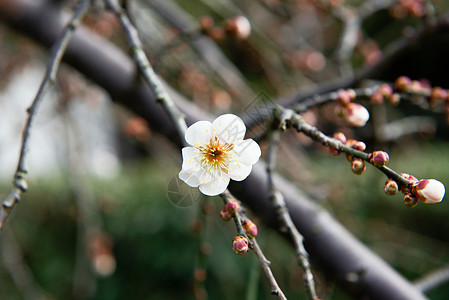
{"points": [[428, 191], [384, 93], [238, 28], [404, 8], [353, 113], [357, 164], [436, 97], [229, 210]]}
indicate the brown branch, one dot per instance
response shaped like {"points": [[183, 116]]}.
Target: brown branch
{"points": [[57, 51]]}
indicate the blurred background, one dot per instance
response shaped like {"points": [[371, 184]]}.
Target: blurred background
{"points": [[105, 217]]}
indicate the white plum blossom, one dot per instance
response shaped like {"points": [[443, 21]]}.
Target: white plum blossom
{"points": [[217, 154]]}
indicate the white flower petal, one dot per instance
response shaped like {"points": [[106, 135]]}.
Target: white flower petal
{"points": [[248, 151], [199, 133], [215, 187], [238, 170], [229, 128], [189, 177], [191, 158]]}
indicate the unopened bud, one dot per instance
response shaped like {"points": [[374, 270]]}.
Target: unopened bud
{"points": [[343, 97], [357, 145], [240, 244], [232, 206], [342, 138], [356, 115], [385, 90], [206, 23], [429, 191], [225, 215], [376, 98], [238, 27], [402, 83], [437, 94], [379, 158], [391, 187], [358, 166], [410, 201], [394, 99], [250, 228]]}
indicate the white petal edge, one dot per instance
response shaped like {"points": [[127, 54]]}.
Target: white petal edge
{"points": [[229, 128], [189, 177], [215, 187], [247, 151], [191, 158], [199, 133], [238, 171]]}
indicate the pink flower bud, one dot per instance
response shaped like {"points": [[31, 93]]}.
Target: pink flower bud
{"points": [[395, 99], [232, 206], [402, 83], [379, 158], [358, 166], [343, 97], [429, 191], [391, 187], [356, 114], [385, 90], [250, 228], [338, 136], [240, 244], [437, 94], [376, 98], [225, 215], [410, 201]]}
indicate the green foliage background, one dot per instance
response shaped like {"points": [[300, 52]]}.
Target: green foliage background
{"points": [[157, 249]]}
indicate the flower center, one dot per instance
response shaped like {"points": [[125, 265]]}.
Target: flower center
{"points": [[215, 155]]}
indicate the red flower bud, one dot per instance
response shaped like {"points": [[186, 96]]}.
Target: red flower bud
{"points": [[437, 94], [240, 244], [395, 99], [391, 187], [385, 90], [225, 215], [402, 83], [376, 98], [232, 206], [343, 97], [250, 228], [410, 201], [342, 138], [358, 166], [379, 158]]}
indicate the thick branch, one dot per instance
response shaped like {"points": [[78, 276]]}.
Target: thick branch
{"points": [[357, 269]]}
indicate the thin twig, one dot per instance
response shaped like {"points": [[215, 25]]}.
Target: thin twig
{"points": [[13, 260], [275, 290], [57, 52], [432, 280], [145, 67], [296, 121], [282, 211], [264, 262]]}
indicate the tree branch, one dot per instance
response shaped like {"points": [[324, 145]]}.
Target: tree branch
{"points": [[358, 270]]}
